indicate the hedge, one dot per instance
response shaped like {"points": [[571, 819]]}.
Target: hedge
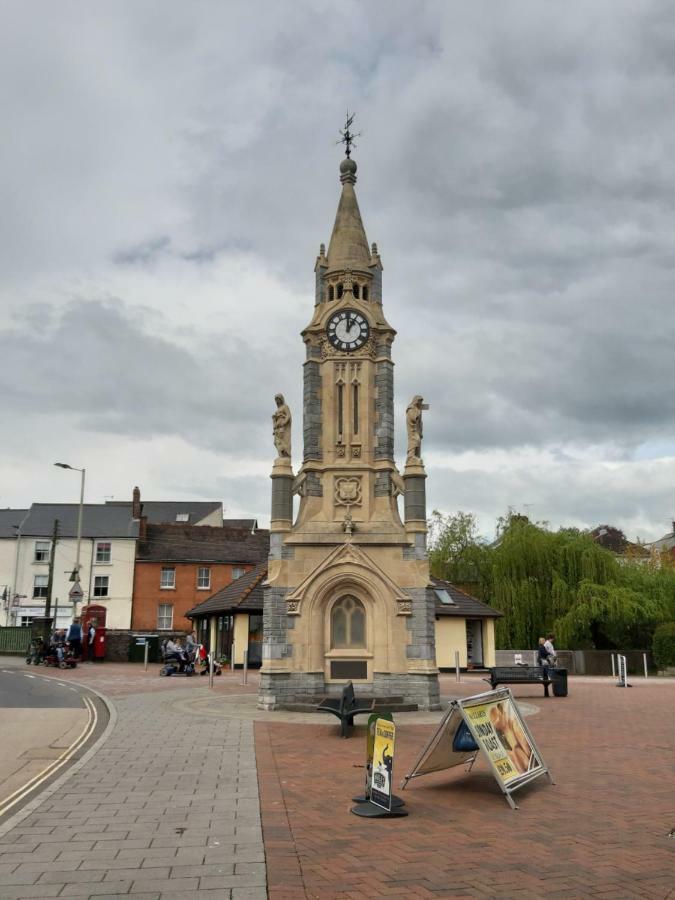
{"points": [[664, 645]]}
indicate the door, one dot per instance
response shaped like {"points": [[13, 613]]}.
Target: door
{"points": [[474, 642]]}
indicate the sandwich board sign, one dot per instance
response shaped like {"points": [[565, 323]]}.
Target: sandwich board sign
{"points": [[491, 724], [378, 801]]}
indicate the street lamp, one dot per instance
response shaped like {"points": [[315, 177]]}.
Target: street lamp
{"points": [[79, 517]]}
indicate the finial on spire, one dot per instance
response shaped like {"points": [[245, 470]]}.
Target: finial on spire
{"points": [[347, 137]]}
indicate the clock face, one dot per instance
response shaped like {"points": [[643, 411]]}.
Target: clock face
{"points": [[347, 330]]}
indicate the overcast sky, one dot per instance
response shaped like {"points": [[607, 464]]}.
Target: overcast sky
{"points": [[169, 169]]}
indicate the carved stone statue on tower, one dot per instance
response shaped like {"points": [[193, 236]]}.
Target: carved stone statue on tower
{"points": [[413, 421], [281, 427]]}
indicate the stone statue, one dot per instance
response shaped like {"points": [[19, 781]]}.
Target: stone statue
{"points": [[413, 421], [281, 427]]}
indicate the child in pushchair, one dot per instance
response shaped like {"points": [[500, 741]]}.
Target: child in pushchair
{"points": [[204, 661]]}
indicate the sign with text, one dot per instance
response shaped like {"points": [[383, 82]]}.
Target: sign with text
{"points": [[383, 763], [500, 732]]}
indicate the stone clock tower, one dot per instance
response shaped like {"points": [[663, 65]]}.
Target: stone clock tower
{"points": [[347, 596]]}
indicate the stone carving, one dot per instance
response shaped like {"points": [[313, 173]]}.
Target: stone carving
{"points": [[299, 484], [293, 607], [356, 452], [397, 484], [404, 607], [348, 523], [281, 428], [340, 449], [329, 352], [348, 491], [413, 421]]}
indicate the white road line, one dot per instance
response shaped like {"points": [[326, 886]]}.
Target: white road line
{"points": [[72, 689], [8, 671], [62, 683], [53, 767], [28, 676]]}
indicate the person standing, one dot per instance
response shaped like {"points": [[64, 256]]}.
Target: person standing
{"points": [[91, 640], [550, 649], [74, 638]]}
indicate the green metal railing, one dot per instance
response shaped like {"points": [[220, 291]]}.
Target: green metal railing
{"points": [[15, 639]]}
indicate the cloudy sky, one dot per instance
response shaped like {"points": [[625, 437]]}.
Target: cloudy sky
{"points": [[169, 169]]}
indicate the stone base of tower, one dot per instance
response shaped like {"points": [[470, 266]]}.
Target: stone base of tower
{"points": [[284, 690]]}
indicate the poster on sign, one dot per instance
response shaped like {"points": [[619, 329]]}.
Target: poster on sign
{"points": [[489, 724], [383, 763]]}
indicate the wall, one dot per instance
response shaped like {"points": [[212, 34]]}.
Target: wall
{"points": [[450, 636], [120, 571], [148, 595], [7, 557]]}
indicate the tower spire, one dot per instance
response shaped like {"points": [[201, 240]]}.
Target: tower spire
{"points": [[348, 247]]}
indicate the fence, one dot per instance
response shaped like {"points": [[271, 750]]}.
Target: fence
{"points": [[15, 639], [581, 662]]}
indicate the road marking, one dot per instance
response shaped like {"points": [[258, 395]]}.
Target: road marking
{"points": [[62, 683], [29, 676], [8, 671], [53, 767]]}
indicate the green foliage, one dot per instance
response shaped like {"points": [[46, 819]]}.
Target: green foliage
{"points": [[560, 581], [664, 645]]}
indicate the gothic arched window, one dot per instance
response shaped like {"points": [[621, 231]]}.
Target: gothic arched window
{"points": [[355, 290], [339, 291], [348, 624], [331, 293], [365, 291]]}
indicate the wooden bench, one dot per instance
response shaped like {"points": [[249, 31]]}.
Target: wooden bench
{"points": [[346, 706], [519, 675]]}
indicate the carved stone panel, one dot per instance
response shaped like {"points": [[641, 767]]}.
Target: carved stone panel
{"points": [[348, 491]]}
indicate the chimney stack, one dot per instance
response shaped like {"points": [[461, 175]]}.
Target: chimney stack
{"points": [[136, 504]]}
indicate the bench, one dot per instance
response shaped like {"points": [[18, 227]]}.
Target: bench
{"points": [[519, 675], [346, 706]]}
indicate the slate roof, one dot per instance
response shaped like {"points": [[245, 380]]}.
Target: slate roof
{"points": [[164, 512], [98, 520], [202, 544], [464, 604], [245, 594], [9, 518]]}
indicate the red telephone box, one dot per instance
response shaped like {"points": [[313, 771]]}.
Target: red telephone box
{"points": [[94, 615]]}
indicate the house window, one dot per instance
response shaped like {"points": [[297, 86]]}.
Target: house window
{"points": [[182, 517], [167, 581], [237, 572], [103, 550], [348, 624], [203, 578], [101, 584], [26, 621], [165, 616], [42, 551], [40, 586]]}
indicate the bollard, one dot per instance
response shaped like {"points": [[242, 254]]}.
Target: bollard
{"points": [[245, 681], [457, 676], [212, 648], [613, 670], [145, 654], [644, 660]]}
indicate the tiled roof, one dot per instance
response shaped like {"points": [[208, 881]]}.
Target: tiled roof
{"points": [[8, 519], [463, 604], [164, 512], [244, 594], [98, 520], [202, 544], [247, 524]]}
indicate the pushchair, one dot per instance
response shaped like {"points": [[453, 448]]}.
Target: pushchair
{"points": [[36, 652], [204, 661], [177, 665]]}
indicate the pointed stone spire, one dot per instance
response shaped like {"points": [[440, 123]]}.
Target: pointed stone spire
{"points": [[348, 248]]}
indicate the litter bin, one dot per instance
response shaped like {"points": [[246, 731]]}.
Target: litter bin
{"points": [[559, 682], [137, 647]]}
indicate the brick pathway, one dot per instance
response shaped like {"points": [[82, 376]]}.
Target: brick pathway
{"points": [[167, 810], [601, 831]]}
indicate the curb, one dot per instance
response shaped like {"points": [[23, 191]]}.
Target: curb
{"points": [[33, 804]]}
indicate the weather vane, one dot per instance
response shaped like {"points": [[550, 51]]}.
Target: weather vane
{"points": [[347, 137]]}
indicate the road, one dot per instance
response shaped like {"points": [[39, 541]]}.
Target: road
{"points": [[47, 724]]}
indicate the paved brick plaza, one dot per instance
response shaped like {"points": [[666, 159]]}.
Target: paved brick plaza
{"points": [[111, 830]]}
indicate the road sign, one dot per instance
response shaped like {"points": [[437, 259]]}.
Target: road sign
{"points": [[76, 593]]}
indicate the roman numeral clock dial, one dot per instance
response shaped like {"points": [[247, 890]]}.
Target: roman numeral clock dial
{"points": [[347, 330]]}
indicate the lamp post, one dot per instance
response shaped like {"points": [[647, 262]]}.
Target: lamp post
{"points": [[76, 579]]}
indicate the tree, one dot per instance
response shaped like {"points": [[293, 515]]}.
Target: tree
{"points": [[457, 552]]}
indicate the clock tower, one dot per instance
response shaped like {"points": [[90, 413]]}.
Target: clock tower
{"points": [[348, 595]]}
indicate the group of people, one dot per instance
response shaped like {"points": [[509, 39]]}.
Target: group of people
{"points": [[181, 653], [76, 639], [546, 655]]}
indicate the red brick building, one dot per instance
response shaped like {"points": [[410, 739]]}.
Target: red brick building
{"points": [[179, 566]]}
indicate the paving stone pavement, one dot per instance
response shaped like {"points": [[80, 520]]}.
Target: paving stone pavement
{"points": [[166, 810]]}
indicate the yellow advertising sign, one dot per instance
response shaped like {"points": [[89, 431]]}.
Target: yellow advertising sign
{"points": [[383, 763], [498, 729]]}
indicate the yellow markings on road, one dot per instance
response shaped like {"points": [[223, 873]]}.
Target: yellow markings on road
{"points": [[48, 771]]}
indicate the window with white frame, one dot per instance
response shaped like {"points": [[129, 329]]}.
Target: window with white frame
{"points": [[101, 585], [103, 551], [237, 572], [182, 517], [40, 583], [42, 549], [26, 621], [203, 578], [167, 580], [165, 616]]}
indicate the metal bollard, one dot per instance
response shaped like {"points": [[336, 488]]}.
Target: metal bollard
{"points": [[644, 660], [145, 654], [245, 681], [457, 676], [613, 669]]}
